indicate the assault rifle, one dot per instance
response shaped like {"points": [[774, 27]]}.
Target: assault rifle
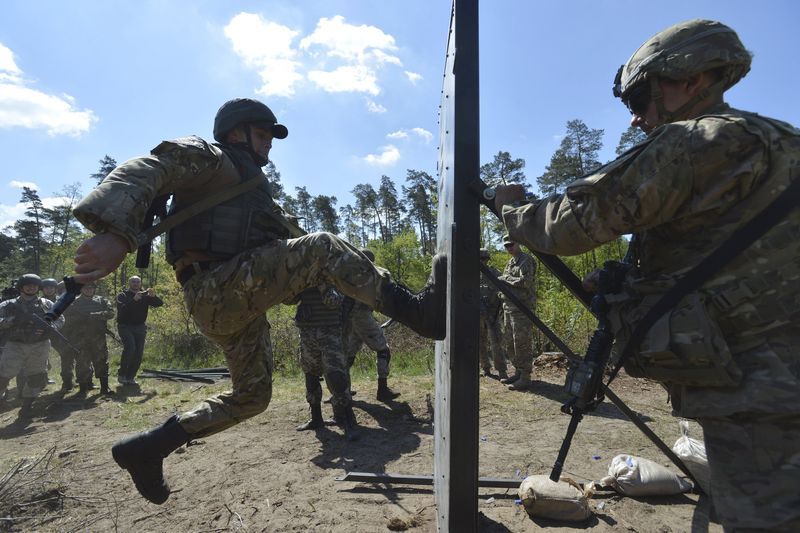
{"points": [[585, 380]]}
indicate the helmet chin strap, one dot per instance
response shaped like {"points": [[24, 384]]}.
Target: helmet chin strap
{"points": [[682, 113], [260, 161]]}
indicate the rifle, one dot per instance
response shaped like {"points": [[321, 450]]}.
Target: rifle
{"points": [[114, 337], [585, 380], [48, 325]]}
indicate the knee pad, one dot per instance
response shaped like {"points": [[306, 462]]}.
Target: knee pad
{"points": [[36, 381]]}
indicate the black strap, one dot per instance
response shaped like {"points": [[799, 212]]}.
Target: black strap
{"points": [[740, 240]]}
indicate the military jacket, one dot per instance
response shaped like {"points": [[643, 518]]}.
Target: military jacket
{"points": [[18, 324], [520, 274], [682, 192], [190, 168], [87, 316]]}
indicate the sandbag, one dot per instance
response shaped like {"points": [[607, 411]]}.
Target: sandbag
{"points": [[563, 500], [693, 454], [634, 476]]}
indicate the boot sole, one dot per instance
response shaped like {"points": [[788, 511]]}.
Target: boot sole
{"points": [[118, 453]]}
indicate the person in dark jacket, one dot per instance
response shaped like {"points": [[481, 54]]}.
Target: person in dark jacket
{"points": [[132, 306]]}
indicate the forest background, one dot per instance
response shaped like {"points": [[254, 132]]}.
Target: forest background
{"points": [[399, 226]]}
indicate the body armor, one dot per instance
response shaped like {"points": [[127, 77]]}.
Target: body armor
{"points": [[313, 311], [27, 329], [233, 226], [755, 297]]}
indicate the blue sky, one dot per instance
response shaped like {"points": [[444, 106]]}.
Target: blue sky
{"points": [[356, 82]]}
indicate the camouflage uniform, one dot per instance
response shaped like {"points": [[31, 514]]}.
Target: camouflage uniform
{"points": [[228, 299], [682, 193], [491, 344], [319, 320], [360, 327], [27, 343], [519, 273], [86, 327]]}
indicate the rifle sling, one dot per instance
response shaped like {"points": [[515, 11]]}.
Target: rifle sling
{"points": [[736, 243], [196, 208]]}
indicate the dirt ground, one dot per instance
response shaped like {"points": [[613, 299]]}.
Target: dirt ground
{"points": [[264, 476]]}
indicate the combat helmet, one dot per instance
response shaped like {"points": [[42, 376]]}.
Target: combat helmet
{"points": [[49, 282], [369, 254], [29, 279], [677, 53], [246, 111]]}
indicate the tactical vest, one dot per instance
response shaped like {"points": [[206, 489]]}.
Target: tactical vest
{"points": [[755, 297], [312, 311], [231, 227], [80, 320], [25, 328]]}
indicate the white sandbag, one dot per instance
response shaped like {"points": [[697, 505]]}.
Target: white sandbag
{"points": [[634, 476], [563, 500], [693, 454]]}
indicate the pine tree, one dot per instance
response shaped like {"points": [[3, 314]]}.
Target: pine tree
{"points": [[630, 137], [107, 164], [576, 157]]}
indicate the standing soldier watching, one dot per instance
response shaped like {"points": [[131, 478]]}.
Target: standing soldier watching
{"points": [[360, 327], [86, 324], [727, 351], [491, 343], [520, 274], [133, 305], [234, 261], [319, 320], [27, 342]]}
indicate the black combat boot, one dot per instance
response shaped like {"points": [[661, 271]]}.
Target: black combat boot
{"points": [[511, 379], [142, 455], [316, 421], [26, 411], [345, 417], [83, 388], [385, 394], [66, 384], [425, 311], [104, 390]]}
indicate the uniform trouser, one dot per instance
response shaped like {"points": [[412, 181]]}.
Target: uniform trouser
{"points": [[491, 344], [518, 338], [321, 355], [67, 357], [132, 337], [228, 304], [93, 357], [362, 328], [755, 470], [31, 360]]}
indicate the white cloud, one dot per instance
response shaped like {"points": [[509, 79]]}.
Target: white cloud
{"points": [[399, 134], [267, 48], [353, 78], [388, 156], [24, 107], [351, 43], [424, 134], [413, 77], [21, 184], [375, 107]]}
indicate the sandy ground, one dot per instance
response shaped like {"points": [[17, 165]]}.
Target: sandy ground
{"points": [[264, 476]]}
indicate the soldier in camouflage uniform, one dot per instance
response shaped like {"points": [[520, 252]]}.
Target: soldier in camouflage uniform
{"points": [[727, 352], [27, 341], [361, 328], [234, 260], [319, 319], [491, 344], [85, 326], [520, 274]]}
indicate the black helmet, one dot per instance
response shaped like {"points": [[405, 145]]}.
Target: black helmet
{"points": [[246, 111], [369, 254], [29, 279], [49, 282]]}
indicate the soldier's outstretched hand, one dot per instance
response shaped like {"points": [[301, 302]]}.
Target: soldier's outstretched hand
{"points": [[98, 256]]}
